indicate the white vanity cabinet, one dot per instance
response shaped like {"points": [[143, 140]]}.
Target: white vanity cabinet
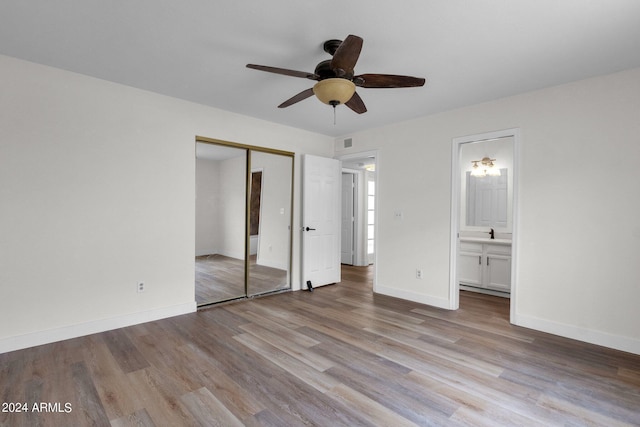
{"points": [[485, 264], [470, 264]]}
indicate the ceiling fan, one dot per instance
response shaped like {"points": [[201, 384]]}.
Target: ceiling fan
{"points": [[336, 80]]}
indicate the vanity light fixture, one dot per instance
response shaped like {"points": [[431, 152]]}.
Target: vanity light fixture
{"points": [[484, 167]]}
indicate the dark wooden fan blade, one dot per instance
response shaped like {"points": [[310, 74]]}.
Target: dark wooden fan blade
{"points": [[297, 98], [387, 81], [346, 56], [284, 71], [356, 104]]}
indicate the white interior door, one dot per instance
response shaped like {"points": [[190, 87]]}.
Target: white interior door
{"points": [[321, 220], [348, 191]]}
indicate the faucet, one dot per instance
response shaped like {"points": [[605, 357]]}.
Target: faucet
{"points": [[492, 234]]}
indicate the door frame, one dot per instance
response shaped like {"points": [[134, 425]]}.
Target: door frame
{"points": [[454, 285], [355, 220], [375, 155]]}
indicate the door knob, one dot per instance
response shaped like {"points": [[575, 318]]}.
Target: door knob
{"points": [[309, 229]]}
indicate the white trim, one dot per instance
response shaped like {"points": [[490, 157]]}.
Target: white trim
{"points": [[515, 211], [413, 296], [454, 287], [586, 335], [67, 332]]}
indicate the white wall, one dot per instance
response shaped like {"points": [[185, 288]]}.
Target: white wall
{"points": [[579, 233], [220, 206], [231, 211], [275, 209], [207, 203], [97, 185]]}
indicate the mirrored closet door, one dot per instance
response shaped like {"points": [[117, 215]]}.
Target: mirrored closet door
{"points": [[270, 223], [243, 221], [220, 223]]}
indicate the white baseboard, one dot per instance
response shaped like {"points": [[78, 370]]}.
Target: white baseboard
{"points": [[604, 339], [92, 327], [412, 296]]}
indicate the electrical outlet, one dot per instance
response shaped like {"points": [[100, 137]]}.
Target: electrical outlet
{"points": [[140, 287], [418, 273]]}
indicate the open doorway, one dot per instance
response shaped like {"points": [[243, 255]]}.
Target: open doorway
{"points": [[484, 208], [349, 206], [359, 202]]}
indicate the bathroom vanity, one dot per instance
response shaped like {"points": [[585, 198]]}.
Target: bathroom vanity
{"points": [[484, 265]]}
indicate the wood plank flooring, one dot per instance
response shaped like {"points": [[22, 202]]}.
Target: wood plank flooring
{"points": [[221, 278], [339, 356]]}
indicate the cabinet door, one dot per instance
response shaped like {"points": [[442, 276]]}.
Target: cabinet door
{"points": [[498, 270], [470, 268]]}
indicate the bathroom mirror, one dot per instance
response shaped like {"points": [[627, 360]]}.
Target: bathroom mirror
{"points": [[487, 198], [486, 201]]}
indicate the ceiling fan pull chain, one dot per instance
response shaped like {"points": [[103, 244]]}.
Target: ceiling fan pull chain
{"points": [[334, 104]]}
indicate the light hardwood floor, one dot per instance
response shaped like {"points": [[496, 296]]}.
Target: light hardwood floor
{"points": [[337, 356]]}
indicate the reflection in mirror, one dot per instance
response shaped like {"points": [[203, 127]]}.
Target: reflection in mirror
{"points": [[270, 223], [254, 205], [220, 223], [486, 201]]}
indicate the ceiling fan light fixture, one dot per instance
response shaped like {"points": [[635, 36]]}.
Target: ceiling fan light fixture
{"points": [[334, 91]]}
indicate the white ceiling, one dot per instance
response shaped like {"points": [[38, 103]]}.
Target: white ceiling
{"points": [[469, 51]]}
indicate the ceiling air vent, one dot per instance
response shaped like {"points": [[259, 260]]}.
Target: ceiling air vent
{"points": [[343, 144]]}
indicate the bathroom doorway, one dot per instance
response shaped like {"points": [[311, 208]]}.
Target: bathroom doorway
{"points": [[484, 215]]}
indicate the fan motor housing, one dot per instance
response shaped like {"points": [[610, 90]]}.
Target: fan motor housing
{"points": [[324, 71]]}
